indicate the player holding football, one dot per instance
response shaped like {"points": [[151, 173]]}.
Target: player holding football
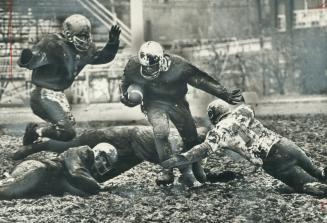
{"points": [[55, 61], [163, 79]]}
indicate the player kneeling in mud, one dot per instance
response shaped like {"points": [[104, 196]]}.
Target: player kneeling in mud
{"points": [[240, 132], [79, 169]]}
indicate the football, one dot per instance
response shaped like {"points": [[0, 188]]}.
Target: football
{"points": [[135, 94]]}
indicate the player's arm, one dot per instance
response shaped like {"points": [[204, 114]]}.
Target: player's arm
{"points": [[126, 82], [195, 154], [47, 51], [77, 160], [110, 50], [203, 81]]}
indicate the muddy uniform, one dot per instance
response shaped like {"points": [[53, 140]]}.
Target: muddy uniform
{"points": [[72, 171], [55, 64], [241, 132], [164, 99]]}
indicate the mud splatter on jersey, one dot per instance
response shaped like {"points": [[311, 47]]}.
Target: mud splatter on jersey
{"points": [[244, 134]]}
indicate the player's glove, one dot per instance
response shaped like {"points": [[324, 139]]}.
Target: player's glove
{"points": [[234, 97], [125, 101], [175, 161], [114, 33]]}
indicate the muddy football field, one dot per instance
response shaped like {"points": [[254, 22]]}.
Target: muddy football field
{"points": [[134, 196]]}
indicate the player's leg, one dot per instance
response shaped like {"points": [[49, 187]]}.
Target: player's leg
{"points": [[89, 137], [24, 181], [53, 107], [46, 144], [158, 118], [143, 144], [282, 163], [303, 160], [181, 116]]}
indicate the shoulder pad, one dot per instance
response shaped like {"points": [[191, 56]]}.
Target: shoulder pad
{"points": [[177, 59], [181, 62], [52, 45], [51, 39]]}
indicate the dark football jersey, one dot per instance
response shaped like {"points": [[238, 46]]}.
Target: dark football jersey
{"points": [[56, 62], [171, 85]]}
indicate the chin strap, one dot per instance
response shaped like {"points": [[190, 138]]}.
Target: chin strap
{"points": [[149, 77]]}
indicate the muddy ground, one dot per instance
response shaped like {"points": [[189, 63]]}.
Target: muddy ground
{"points": [[134, 197]]}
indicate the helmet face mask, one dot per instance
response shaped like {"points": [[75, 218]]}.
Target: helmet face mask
{"points": [[82, 42], [77, 30], [151, 71], [102, 164], [152, 60], [105, 156]]}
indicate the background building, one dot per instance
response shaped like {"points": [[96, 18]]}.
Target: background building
{"points": [[271, 47]]}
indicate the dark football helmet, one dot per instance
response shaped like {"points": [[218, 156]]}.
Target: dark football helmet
{"points": [[218, 109], [77, 30]]}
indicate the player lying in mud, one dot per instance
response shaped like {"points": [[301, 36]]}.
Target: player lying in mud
{"points": [[79, 169], [238, 130]]}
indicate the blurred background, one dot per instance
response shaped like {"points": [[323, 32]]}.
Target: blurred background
{"points": [[274, 48]]}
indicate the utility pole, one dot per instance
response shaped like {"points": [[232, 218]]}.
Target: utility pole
{"points": [[137, 24], [289, 16], [113, 10], [259, 13], [274, 14], [262, 53]]}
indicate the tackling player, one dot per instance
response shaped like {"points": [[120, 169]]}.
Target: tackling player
{"points": [[239, 131]]}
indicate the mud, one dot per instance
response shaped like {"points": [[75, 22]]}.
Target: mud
{"points": [[134, 197]]}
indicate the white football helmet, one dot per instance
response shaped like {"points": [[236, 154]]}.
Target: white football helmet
{"points": [[152, 59], [105, 155], [77, 30]]}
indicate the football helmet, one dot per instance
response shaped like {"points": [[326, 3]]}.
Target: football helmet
{"points": [[77, 30], [105, 155], [152, 59], [218, 109]]}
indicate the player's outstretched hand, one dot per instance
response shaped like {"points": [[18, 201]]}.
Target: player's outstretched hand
{"points": [[114, 33], [235, 97], [174, 161]]}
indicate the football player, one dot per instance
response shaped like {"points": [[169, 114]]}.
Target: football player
{"points": [[56, 61], [79, 169], [163, 79], [239, 131]]}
